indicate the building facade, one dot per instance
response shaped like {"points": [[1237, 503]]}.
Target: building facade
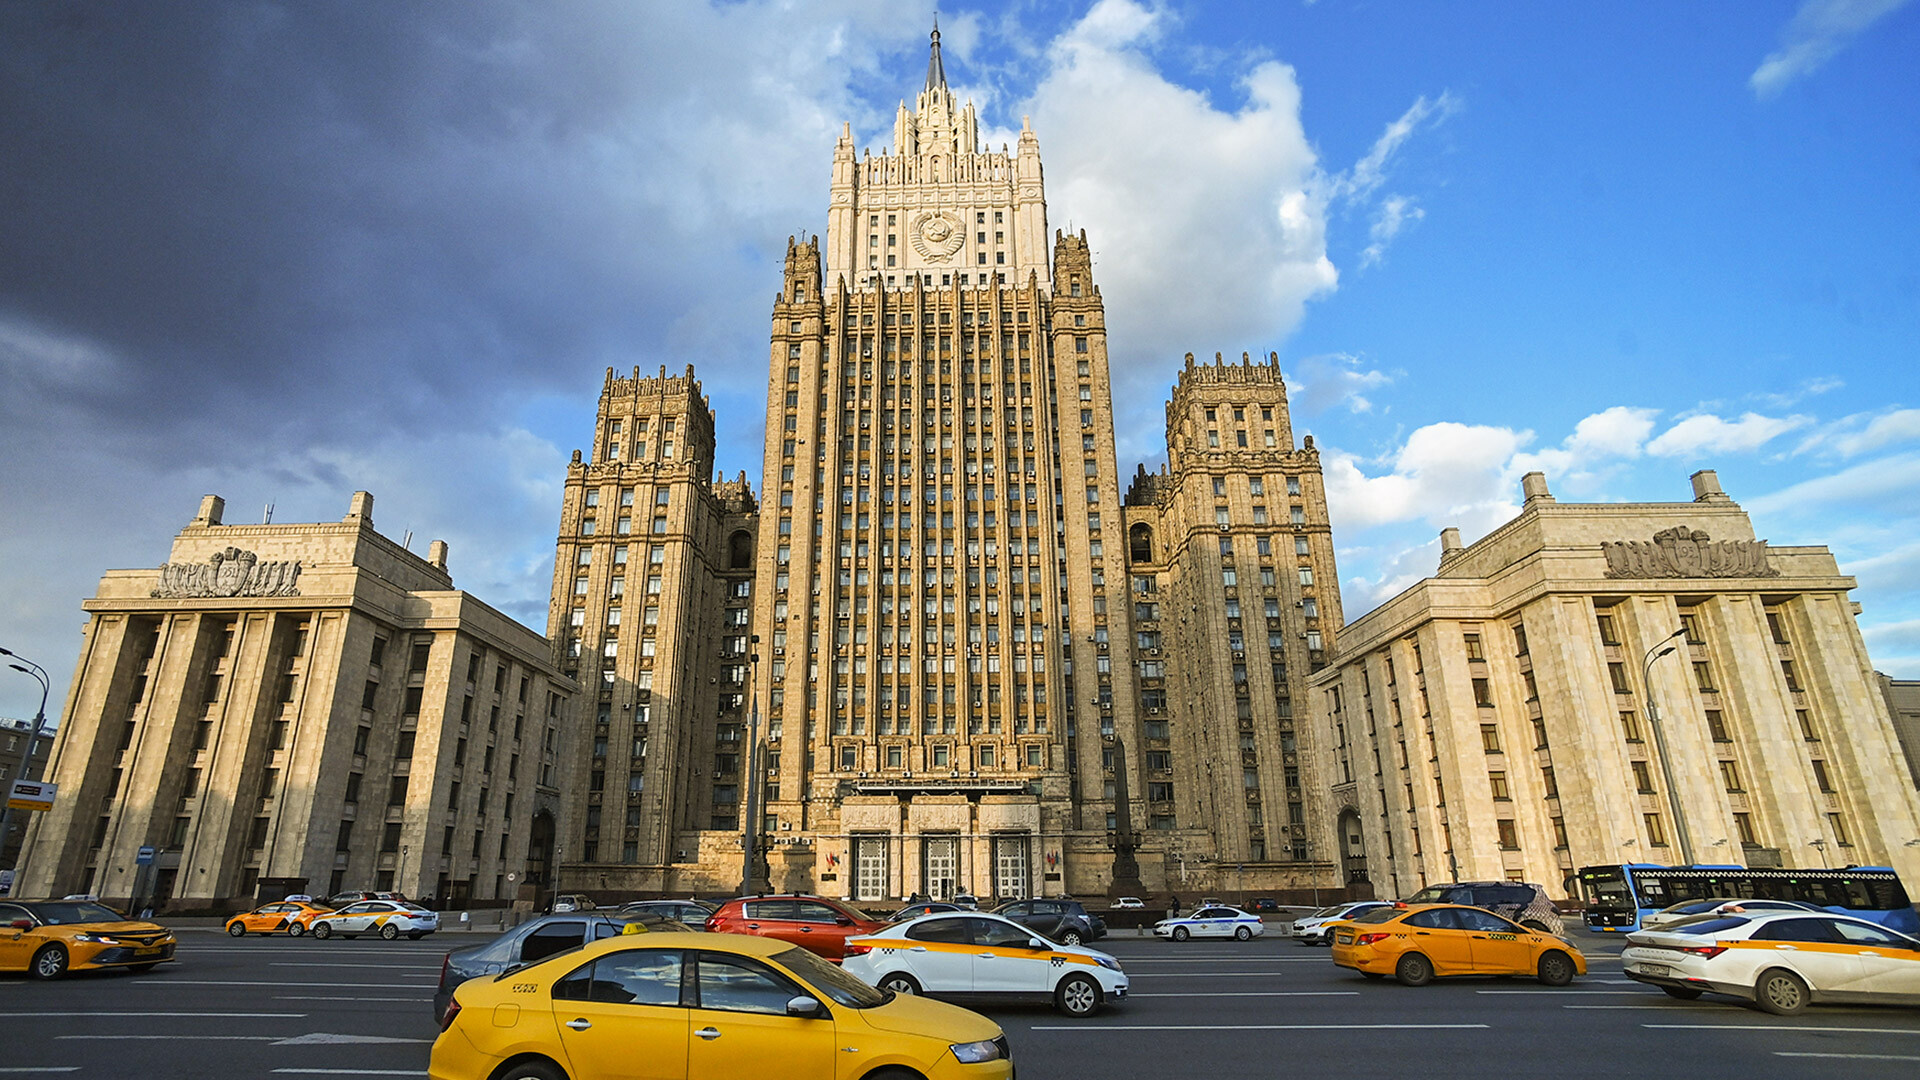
{"points": [[1903, 704], [16, 736], [929, 609], [1509, 716], [300, 708]]}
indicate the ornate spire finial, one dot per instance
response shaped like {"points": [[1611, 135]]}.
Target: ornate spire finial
{"points": [[936, 74]]}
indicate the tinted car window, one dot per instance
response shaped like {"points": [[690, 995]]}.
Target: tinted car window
{"points": [[737, 984], [1796, 930], [1376, 915], [814, 911], [638, 977], [575, 985], [59, 914], [1016, 910], [945, 930], [1484, 921], [553, 938], [1438, 919], [1707, 926], [770, 909], [11, 912], [993, 932]]}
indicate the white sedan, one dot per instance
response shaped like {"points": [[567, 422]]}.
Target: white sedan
{"points": [[1224, 922], [388, 918], [1317, 928], [1779, 960], [974, 954]]}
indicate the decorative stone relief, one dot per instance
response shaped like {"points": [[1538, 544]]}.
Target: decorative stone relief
{"points": [[231, 572], [937, 234], [1681, 552]]}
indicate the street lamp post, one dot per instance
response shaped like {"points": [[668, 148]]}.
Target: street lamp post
{"points": [[33, 739], [1660, 649], [753, 878]]}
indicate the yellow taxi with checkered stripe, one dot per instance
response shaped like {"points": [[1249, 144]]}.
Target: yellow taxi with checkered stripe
{"points": [[287, 916], [972, 954], [1417, 942], [388, 918]]}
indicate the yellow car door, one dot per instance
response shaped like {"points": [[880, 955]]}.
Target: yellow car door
{"points": [[16, 942], [740, 1025], [1436, 933], [1497, 946], [620, 1016]]}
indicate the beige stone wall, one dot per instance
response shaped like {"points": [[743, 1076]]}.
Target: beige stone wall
{"points": [[226, 732], [1473, 755]]}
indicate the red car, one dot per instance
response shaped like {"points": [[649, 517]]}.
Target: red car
{"points": [[814, 923]]}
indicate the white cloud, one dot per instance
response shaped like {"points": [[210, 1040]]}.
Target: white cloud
{"points": [[1889, 485], [1447, 473], [1616, 433], [1323, 381], [1860, 434], [1819, 30], [1706, 433], [1393, 214], [1370, 171], [1895, 648], [1360, 594]]}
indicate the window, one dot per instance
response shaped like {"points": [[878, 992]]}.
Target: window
{"points": [[1608, 635], [1642, 778], [1656, 833], [1703, 676], [1483, 693], [1617, 674], [1630, 727], [1509, 836], [1730, 775], [738, 984], [1498, 782], [1474, 650], [1717, 726], [1490, 738], [634, 977], [1820, 776]]}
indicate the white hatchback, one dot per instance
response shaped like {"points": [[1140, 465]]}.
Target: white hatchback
{"points": [[388, 918], [1780, 961], [1221, 922], [975, 954]]}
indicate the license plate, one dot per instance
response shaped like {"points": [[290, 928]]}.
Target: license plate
{"points": [[1344, 939], [1654, 969], [152, 950]]}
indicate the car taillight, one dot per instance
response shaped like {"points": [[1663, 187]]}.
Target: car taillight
{"points": [[1368, 939], [453, 1010], [858, 950], [446, 965], [1705, 952]]}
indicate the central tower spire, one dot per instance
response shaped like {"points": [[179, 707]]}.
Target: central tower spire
{"points": [[936, 74]]}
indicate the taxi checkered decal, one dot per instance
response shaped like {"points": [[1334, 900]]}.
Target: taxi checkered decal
{"points": [[1058, 961]]}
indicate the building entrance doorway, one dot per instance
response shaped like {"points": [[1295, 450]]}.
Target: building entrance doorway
{"points": [[939, 865], [870, 868]]}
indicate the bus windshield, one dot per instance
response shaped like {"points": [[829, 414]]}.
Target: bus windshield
{"points": [[1606, 887]]}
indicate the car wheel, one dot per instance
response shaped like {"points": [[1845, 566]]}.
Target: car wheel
{"points": [[236, 929], [1071, 937], [49, 963], [532, 1070], [1243, 933], [294, 929], [1684, 993], [389, 931], [901, 983], [1413, 970], [1077, 996], [1180, 933], [323, 930], [1780, 992], [1556, 969]]}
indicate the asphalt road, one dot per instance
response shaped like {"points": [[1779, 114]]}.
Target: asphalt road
{"points": [[274, 1007]]}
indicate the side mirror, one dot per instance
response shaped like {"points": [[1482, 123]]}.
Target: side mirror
{"points": [[803, 1007], [21, 924], [842, 920], [1036, 943]]}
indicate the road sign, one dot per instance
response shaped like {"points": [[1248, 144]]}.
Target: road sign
{"points": [[144, 857], [32, 795]]}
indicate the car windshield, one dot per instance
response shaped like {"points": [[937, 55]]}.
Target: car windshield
{"points": [[831, 981], [1374, 915], [1432, 894], [70, 912]]}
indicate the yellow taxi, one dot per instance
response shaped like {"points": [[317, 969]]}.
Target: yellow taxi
{"points": [[701, 1006], [1416, 942], [288, 916], [48, 938]]}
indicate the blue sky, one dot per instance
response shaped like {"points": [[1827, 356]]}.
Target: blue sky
{"points": [[281, 254]]}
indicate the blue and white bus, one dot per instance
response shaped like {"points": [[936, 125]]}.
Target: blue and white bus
{"points": [[1619, 896]]}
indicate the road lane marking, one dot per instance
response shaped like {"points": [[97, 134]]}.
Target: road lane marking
{"points": [[352, 1072], [156, 1038], [329, 1038], [39, 1068], [221, 1015], [1196, 975], [1785, 1027], [1256, 993], [330, 964], [1568, 993], [336, 998], [1853, 1057], [1666, 1005], [1253, 1027]]}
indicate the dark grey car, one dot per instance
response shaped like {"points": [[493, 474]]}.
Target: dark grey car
{"points": [[692, 913], [1064, 921], [535, 941]]}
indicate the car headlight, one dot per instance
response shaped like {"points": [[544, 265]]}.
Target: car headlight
{"points": [[96, 939], [974, 1053], [1108, 962]]}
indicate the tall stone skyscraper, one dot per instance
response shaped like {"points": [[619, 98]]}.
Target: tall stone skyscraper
{"points": [[946, 665]]}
